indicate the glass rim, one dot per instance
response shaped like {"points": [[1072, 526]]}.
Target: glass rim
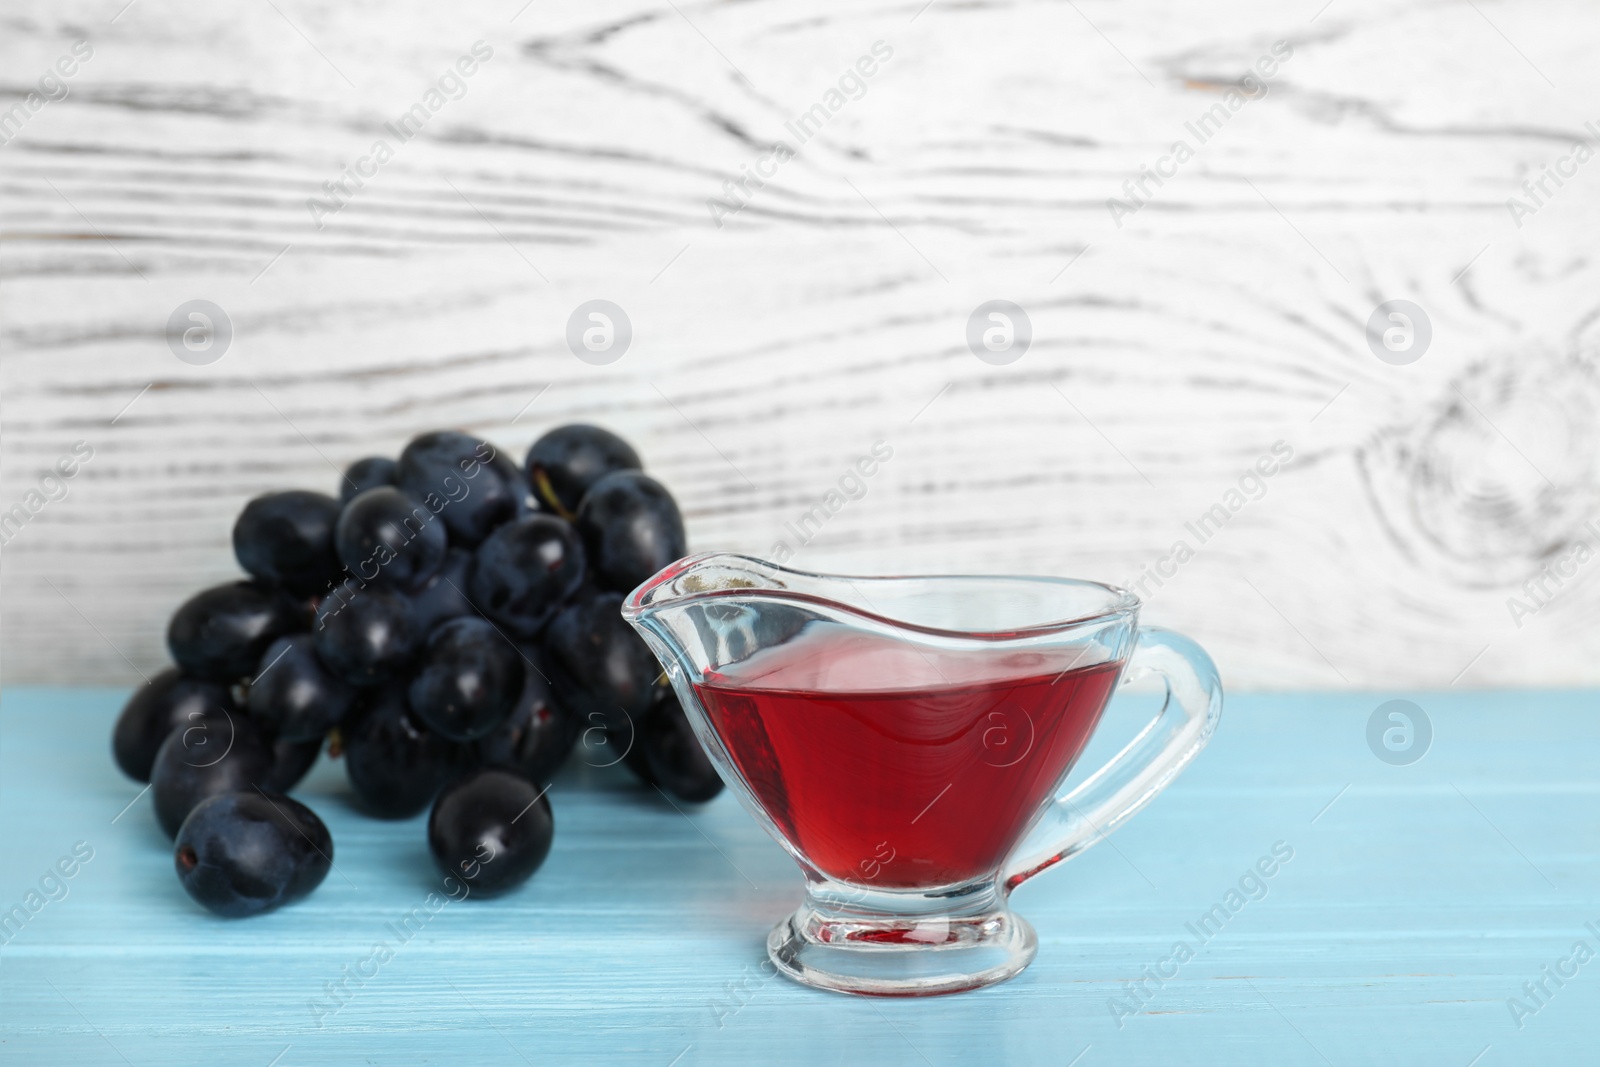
{"points": [[646, 599]]}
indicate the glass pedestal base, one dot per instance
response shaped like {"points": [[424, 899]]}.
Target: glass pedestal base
{"points": [[910, 944]]}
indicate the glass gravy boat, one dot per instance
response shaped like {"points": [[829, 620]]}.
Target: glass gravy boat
{"points": [[906, 740]]}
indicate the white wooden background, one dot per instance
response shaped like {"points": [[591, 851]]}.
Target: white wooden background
{"points": [[1169, 354]]}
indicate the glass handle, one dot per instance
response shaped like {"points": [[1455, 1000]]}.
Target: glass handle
{"points": [[1145, 767]]}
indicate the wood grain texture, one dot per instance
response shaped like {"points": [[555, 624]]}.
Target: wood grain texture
{"points": [[1170, 352], [1417, 901]]}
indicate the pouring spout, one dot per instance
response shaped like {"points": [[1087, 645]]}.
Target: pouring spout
{"points": [[709, 610], [698, 576]]}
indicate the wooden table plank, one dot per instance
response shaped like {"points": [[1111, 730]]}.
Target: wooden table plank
{"points": [[1414, 906]]}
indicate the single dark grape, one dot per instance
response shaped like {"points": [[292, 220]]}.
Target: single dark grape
{"points": [[287, 538], [471, 486], [395, 764], [492, 829], [212, 754], [631, 528], [468, 679], [525, 571], [536, 737], [672, 752], [366, 638], [245, 853], [219, 634], [390, 539], [370, 472], [291, 761], [444, 596], [565, 462], [600, 669], [293, 696], [168, 701]]}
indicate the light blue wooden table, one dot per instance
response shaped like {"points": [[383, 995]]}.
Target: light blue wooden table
{"points": [[1418, 901]]}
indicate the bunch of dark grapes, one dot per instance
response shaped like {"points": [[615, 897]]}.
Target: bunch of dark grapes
{"points": [[450, 626]]}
